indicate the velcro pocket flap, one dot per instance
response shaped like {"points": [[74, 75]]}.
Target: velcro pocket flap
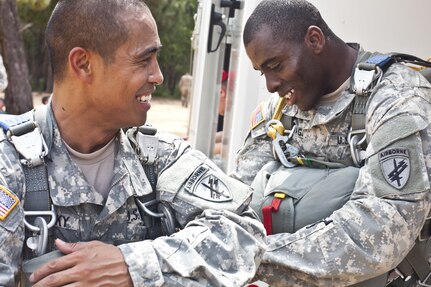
{"points": [[393, 131], [294, 182]]}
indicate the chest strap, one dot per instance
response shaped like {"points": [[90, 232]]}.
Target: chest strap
{"points": [[157, 215], [365, 78]]}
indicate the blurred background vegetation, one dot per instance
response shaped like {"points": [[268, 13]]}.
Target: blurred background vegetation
{"points": [[174, 19]]}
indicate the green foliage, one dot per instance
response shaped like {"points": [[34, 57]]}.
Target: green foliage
{"points": [[37, 5], [175, 23], [174, 20], [33, 25], [26, 10], [164, 92]]}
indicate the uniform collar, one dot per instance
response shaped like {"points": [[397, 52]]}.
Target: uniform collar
{"points": [[68, 186]]}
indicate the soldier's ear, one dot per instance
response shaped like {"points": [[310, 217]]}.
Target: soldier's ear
{"points": [[315, 39], [80, 63]]}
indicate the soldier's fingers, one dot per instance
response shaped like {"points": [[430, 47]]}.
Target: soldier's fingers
{"points": [[51, 270], [67, 248], [56, 280]]}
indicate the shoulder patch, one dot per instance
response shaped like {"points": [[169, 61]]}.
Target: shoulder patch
{"points": [[8, 201], [395, 166], [258, 116], [202, 183]]}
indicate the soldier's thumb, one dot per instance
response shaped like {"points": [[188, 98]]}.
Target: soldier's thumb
{"points": [[67, 248]]}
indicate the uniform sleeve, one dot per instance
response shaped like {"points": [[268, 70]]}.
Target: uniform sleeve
{"points": [[378, 226], [254, 154], [11, 226], [221, 242], [11, 239], [257, 149]]}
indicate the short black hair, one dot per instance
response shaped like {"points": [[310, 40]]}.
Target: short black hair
{"points": [[288, 20], [96, 25]]}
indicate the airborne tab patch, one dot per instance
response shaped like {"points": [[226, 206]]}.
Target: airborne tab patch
{"points": [[395, 166], [194, 178], [8, 201]]}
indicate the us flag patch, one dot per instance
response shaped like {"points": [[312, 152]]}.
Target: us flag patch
{"points": [[395, 166], [257, 116], [7, 202]]}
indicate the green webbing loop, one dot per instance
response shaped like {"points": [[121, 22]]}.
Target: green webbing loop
{"points": [[315, 162]]}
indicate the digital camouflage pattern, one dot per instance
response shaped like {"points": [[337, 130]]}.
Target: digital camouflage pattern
{"points": [[377, 227], [220, 246]]}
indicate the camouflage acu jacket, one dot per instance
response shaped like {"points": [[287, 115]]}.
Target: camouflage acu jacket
{"points": [[377, 227], [220, 244]]}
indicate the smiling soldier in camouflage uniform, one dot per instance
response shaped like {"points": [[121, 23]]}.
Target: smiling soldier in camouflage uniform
{"points": [[308, 65], [104, 56]]}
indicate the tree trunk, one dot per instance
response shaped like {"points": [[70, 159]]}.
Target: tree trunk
{"points": [[18, 95]]}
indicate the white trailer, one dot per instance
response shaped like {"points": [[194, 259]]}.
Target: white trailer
{"points": [[382, 25]]}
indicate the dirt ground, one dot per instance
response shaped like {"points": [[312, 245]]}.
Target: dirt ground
{"points": [[166, 114], [169, 116]]}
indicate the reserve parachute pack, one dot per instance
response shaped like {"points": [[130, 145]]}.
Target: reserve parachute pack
{"points": [[294, 191]]}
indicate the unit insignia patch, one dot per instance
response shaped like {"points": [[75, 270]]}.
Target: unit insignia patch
{"points": [[207, 186], [395, 166]]}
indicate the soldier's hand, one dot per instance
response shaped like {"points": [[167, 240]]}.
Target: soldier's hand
{"points": [[84, 264]]}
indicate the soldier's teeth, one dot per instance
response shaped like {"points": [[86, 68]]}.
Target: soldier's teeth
{"points": [[145, 98], [289, 94]]}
